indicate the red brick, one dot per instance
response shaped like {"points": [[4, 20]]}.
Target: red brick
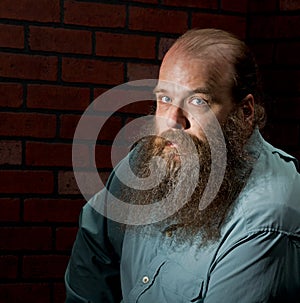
{"points": [[26, 182], [164, 46], [10, 152], [28, 66], [140, 107], [90, 132], [289, 5], [60, 40], [262, 5], [120, 45], [11, 36], [117, 94], [142, 1], [11, 95], [135, 98], [10, 210], [68, 124], [65, 237], [55, 154], [274, 27], [51, 210], [57, 97], [157, 20], [139, 71], [263, 52], [9, 267], [99, 91], [50, 266], [103, 156], [28, 124], [210, 4], [287, 53], [95, 14], [67, 184], [25, 292], [92, 71], [59, 295], [81, 155], [25, 238], [235, 6], [234, 24], [31, 10], [110, 129]]}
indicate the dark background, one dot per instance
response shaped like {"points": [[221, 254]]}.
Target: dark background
{"points": [[56, 57]]}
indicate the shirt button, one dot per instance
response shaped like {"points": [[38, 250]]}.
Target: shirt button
{"points": [[145, 280]]}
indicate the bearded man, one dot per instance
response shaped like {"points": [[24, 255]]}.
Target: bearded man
{"points": [[241, 244]]}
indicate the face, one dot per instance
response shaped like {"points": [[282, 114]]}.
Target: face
{"points": [[187, 100], [184, 98]]}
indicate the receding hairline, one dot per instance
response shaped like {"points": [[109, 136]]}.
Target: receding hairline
{"points": [[196, 41], [218, 47], [217, 50]]}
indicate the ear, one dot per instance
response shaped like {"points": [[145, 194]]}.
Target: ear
{"points": [[247, 107]]}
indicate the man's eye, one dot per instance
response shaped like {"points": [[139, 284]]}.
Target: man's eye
{"points": [[166, 99], [198, 101]]}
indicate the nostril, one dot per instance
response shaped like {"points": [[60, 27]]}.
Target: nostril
{"points": [[187, 124]]}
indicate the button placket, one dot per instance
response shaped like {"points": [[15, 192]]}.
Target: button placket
{"points": [[145, 281]]}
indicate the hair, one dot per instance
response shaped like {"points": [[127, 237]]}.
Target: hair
{"points": [[218, 47]]}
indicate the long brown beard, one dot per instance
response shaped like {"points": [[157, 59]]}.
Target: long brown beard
{"points": [[189, 220]]}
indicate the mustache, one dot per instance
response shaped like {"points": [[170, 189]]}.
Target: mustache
{"points": [[179, 136], [176, 141]]}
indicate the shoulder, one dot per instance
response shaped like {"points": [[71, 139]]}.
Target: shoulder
{"points": [[270, 201]]}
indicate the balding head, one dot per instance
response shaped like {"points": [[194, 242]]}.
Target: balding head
{"points": [[228, 61]]}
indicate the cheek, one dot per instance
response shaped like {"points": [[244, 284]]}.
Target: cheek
{"points": [[208, 122], [222, 113]]}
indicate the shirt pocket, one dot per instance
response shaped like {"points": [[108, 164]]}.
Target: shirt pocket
{"points": [[177, 281], [166, 281]]}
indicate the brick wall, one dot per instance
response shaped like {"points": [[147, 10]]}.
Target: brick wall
{"points": [[272, 31], [56, 57]]}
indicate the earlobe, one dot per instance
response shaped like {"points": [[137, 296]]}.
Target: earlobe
{"points": [[248, 108]]}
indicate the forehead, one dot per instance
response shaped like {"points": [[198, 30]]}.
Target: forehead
{"points": [[210, 73], [184, 71]]}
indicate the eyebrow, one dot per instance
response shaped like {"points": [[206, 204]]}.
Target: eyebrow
{"points": [[202, 90], [198, 90], [159, 90]]}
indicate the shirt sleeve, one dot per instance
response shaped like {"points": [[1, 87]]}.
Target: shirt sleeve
{"points": [[262, 267], [93, 272]]}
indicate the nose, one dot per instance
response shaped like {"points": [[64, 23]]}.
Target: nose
{"points": [[177, 118]]}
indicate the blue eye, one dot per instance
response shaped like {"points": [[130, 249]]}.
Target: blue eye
{"points": [[198, 101], [166, 99]]}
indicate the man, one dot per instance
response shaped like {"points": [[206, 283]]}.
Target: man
{"points": [[243, 245]]}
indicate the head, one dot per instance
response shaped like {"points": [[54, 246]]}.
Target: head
{"points": [[205, 71], [208, 69]]}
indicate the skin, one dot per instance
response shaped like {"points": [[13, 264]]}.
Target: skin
{"points": [[183, 96]]}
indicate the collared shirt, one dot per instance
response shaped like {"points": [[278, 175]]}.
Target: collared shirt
{"points": [[256, 259]]}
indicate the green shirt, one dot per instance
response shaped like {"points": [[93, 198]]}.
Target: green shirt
{"points": [[257, 258]]}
